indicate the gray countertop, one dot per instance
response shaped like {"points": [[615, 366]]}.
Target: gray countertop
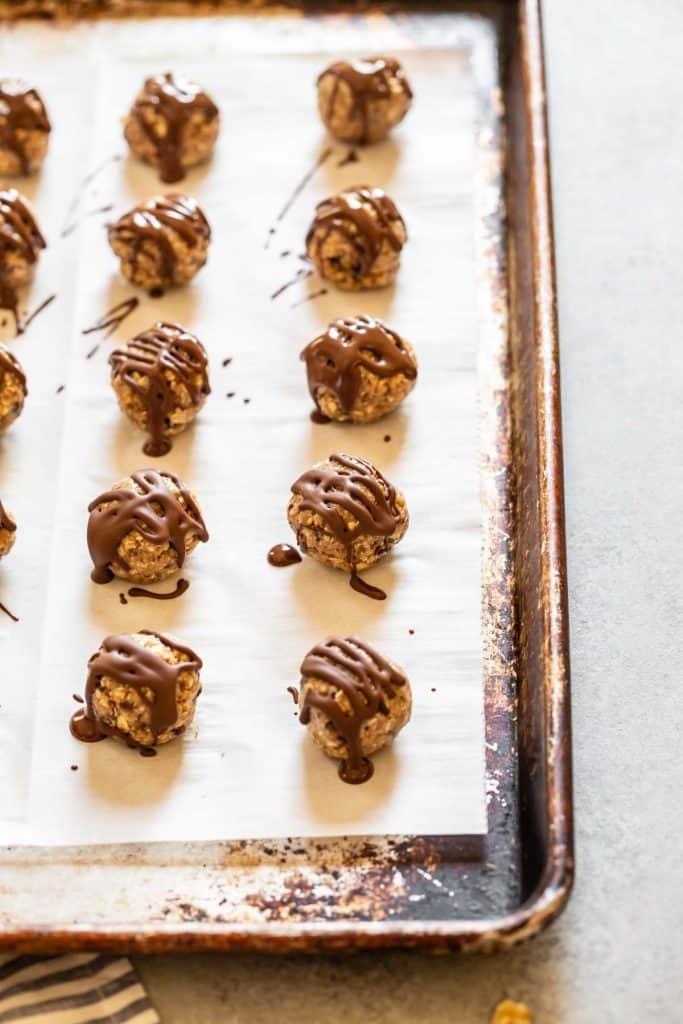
{"points": [[616, 93]]}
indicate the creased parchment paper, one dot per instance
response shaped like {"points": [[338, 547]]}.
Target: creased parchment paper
{"points": [[247, 769]]}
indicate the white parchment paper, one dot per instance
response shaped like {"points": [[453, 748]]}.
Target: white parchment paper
{"points": [[247, 768]]}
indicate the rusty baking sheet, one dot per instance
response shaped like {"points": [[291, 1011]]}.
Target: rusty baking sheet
{"points": [[453, 892]]}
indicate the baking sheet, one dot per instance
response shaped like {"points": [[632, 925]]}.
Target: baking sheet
{"points": [[248, 769]]}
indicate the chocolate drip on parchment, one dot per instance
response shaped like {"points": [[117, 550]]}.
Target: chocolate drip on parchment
{"points": [[123, 660], [19, 236], [21, 112], [347, 213], [181, 587], [114, 317], [152, 222], [173, 101], [10, 364], [364, 677], [334, 360], [368, 80], [153, 510], [150, 364], [282, 555], [355, 486]]}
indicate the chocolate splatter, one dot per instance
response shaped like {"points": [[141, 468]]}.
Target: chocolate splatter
{"points": [[181, 587], [282, 555], [8, 613], [112, 319], [309, 298], [361, 586], [298, 189], [70, 221], [294, 692], [300, 275], [350, 158], [39, 309], [69, 230]]}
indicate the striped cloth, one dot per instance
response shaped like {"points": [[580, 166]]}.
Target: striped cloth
{"points": [[79, 989]]}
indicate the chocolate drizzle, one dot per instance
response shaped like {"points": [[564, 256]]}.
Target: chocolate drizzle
{"points": [[181, 587], [368, 80], [152, 223], [364, 677], [123, 660], [173, 100], [366, 217], [334, 360], [114, 317], [152, 509], [150, 364], [19, 235], [282, 555], [21, 112], [10, 364]]}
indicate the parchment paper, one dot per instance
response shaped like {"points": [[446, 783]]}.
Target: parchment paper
{"points": [[247, 769]]}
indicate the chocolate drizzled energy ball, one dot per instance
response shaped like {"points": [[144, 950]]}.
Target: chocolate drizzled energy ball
{"points": [[162, 243], [13, 388], [354, 702], [345, 514], [173, 125], [8, 532], [24, 128], [361, 101], [143, 528], [161, 382], [142, 689], [359, 369], [356, 237], [20, 245]]}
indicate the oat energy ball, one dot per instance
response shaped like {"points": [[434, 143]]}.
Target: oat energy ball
{"points": [[345, 514], [173, 125], [143, 528], [20, 245], [359, 369], [354, 701], [162, 243], [13, 388], [361, 101], [355, 239], [161, 382], [142, 689], [8, 532], [24, 128]]}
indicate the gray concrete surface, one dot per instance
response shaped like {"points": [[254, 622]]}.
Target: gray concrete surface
{"points": [[616, 94]]}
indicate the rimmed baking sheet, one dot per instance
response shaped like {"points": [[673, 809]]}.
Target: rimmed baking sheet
{"points": [[248, 770]]}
